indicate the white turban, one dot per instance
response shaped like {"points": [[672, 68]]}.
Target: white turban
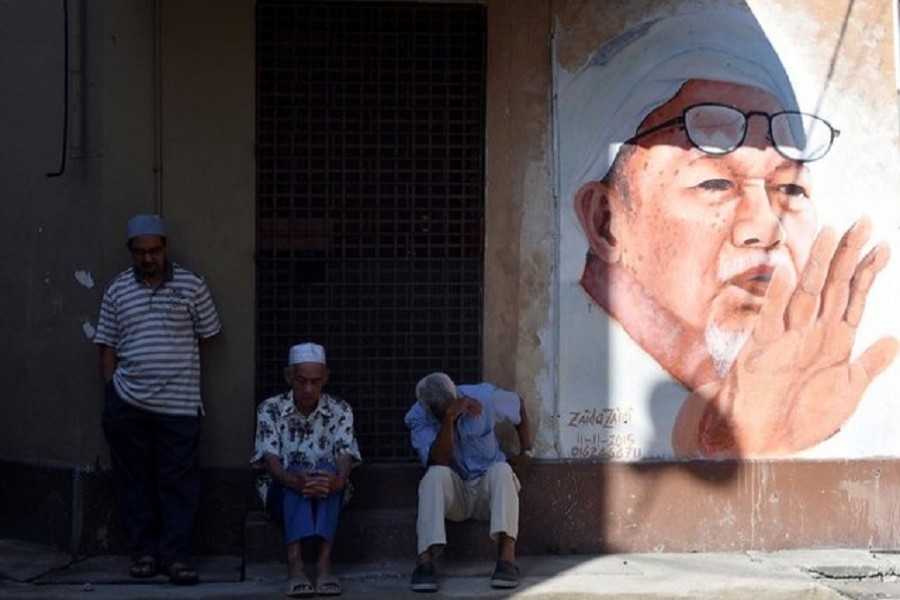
{"points": [[604, 102]]}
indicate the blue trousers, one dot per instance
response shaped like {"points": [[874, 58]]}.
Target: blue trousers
{"points": [[304, 517], [155, 460]]}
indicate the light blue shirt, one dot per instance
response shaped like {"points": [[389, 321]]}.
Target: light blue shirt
{"points": [[475, 445]]}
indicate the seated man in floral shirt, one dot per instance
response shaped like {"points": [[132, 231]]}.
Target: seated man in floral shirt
{"points": [[306, 446]]}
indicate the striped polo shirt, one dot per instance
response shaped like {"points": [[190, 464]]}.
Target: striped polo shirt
{"points": [[154, 332]]}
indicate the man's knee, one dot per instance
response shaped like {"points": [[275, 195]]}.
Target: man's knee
{"points": [[502, 477], [436, 477], [501, 471]]}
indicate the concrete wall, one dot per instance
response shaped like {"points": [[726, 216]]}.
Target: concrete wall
{"points": [[180, 143], [520, 208], [63, 235], [208, 192], [183, 143]]}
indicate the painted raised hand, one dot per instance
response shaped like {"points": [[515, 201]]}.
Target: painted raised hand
{"points": [[794, 384]]}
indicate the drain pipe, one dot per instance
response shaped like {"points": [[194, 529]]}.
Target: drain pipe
{"points": [[76, 79], [65, 94], [157, 104], [76, 541]]}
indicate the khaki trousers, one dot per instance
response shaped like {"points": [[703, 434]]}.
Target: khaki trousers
{"points": [[443, 495]]}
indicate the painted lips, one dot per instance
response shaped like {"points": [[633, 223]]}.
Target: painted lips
{"points": [[754, 281]]}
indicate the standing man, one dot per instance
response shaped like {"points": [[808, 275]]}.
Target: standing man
{"points": [[151, 318], [306, 445], [468, 475]]}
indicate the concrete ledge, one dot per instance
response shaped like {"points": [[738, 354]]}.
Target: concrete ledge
{"points": [[367, 535], [566, 508], [38, 503], [74, 509]]}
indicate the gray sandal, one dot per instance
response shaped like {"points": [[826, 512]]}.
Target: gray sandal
{"points": [[506, 575]]}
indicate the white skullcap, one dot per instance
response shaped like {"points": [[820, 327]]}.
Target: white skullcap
{"points": [[306, 353], [603, 103], [146, 225]]}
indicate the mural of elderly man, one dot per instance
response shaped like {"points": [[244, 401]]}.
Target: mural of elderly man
{"points": [[698, 209]]}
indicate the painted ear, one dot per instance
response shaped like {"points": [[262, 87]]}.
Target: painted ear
{"points": [[593, 206]]}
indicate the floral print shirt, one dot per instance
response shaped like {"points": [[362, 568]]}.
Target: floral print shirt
{"points": [[322, 437]]}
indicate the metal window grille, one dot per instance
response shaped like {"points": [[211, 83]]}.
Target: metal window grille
{"points": [[370, 207]]}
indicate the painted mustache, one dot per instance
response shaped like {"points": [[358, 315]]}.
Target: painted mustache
{"points": [[752, 273]]}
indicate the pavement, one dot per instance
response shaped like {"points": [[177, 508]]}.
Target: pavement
{"points": [[30, 571]]}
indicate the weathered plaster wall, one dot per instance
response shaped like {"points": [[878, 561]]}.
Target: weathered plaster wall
{"points": [[520, 209], [710, 506], [63, 235], [208, 192], [57, 228]]}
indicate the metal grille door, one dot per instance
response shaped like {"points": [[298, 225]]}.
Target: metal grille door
{"points": [[370, 208]]}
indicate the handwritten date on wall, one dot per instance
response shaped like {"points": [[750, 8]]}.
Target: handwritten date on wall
{"points": [[607, 443]]}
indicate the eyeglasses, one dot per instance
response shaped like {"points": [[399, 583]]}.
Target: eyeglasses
{"points": [[718, 129], [153, 252]]}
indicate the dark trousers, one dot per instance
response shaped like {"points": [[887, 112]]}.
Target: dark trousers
{"points": [[155, 460]]}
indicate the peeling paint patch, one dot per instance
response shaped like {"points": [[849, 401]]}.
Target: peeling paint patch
{"points": [[873, 504], [88, 328], [85, 279]]}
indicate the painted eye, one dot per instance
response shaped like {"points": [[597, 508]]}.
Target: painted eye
{"points": [[716, 185], [793, 189]]}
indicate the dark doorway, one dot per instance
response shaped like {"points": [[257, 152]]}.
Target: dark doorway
{"points": [[370, 199]]}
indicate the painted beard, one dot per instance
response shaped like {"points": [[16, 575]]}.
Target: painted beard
{"points": [[724, 345], [734, 313]]}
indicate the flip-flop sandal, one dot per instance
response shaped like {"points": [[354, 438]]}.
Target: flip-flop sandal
{"points": [[144, 568], [328, 585], [182, 573], [299, 587]]}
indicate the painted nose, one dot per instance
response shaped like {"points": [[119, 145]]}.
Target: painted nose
{"points": [[756, 223]]}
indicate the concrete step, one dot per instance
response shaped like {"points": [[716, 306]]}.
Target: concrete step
{"points": [[370, 535], [364, 535]]}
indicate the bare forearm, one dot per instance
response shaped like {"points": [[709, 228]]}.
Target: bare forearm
{"points": [[442, 449], [344, 465], [108, 363], [523, 429], [275, 469]]}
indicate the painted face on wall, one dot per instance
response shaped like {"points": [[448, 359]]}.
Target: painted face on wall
{"points": [[702, 233]]}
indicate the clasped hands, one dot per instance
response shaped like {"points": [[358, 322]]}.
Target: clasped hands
{"points": [[315, 484]]}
